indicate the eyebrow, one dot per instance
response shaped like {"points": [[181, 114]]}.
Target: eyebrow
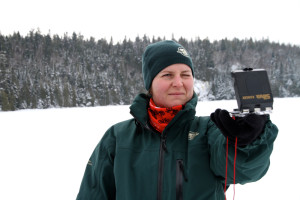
{"points": [[187, 71]]}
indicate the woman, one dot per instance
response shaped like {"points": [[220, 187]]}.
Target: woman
{"points": [[165, 152]]}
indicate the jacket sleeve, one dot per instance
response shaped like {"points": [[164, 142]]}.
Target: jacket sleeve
{"points": [[98, 180], [252, 161]]}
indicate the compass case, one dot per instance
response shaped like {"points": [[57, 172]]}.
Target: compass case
{"points": [[252, 90]]}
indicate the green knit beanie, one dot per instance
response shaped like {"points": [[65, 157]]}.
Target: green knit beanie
{"points": [[160, 55]]}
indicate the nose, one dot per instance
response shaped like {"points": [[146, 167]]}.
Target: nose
{"points": [[177, 81]]}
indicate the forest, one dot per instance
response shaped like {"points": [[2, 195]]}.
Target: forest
{"points": [[44, 71]]}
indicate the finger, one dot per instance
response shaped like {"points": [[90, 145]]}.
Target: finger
{"points": [[216, 117], [256, 122], [230, 125]]}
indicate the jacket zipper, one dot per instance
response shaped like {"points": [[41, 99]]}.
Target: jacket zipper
{"points": [[162, 151], [180, 175]]}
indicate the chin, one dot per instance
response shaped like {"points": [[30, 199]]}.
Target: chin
{"points": [[170, 102], [176, 103]]}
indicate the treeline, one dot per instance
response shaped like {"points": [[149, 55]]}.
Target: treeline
{"points": [[43, 71]]}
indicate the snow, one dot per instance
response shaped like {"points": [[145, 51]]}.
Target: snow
{"points": [[43, 153], [203, 89]]}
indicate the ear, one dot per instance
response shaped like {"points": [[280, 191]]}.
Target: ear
{"points": [[149, 94]]}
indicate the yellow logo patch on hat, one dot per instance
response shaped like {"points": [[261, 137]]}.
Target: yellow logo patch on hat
{"points": [[183, 52]]}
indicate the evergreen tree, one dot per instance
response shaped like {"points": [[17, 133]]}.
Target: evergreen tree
{"points": [[66, 96], [58, 96], [25, 96], [43, 71], [74, 97], [5, 105]]}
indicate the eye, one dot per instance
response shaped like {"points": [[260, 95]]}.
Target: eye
{"points": [[166, 75], [186, 75]]}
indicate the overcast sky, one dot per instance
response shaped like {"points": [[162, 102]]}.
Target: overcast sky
{"points": [[277, 20]]}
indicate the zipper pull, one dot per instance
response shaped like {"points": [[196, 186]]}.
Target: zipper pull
{"points": [[182, 170], [164, 145]]}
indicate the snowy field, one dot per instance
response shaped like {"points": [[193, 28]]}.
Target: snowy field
{"points": [[43, 153]]}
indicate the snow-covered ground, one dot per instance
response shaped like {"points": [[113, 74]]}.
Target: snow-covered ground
{"points": [[43, 153]]}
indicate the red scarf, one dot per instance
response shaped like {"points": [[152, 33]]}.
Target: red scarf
{"points": [[160, 117]]}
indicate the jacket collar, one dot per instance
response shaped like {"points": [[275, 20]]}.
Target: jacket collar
{"points": [[140, 105]]}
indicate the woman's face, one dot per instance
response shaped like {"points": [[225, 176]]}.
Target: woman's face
{"points": [[173, 86]]}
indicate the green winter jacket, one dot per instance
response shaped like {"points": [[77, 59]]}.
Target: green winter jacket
{"points": [[186, 162]]}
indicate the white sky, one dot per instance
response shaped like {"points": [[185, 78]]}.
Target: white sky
{"points": [[277, 20]]}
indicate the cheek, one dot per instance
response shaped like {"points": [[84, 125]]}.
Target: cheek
{"points": [[190, 87], [159, 87]]}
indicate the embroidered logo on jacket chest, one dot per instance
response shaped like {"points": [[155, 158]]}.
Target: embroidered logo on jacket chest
{"points": [[192, 135]]}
